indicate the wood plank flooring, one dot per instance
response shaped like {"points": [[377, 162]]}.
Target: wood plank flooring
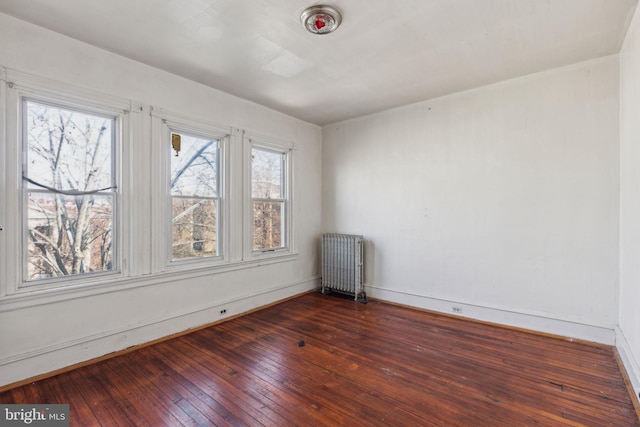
{"points": [[321, 360]]}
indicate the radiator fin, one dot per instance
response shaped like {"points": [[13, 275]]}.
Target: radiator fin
{"points": [[342, 264]]}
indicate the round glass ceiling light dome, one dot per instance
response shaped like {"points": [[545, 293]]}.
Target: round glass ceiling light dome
{"points": [[321, 19]]}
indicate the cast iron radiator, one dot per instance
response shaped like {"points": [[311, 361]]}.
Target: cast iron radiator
{"points": [[342, 264]]}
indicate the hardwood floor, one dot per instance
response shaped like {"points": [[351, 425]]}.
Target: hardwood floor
{"points": [[322, 361]]}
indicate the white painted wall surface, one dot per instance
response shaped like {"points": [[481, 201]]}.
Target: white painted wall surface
{"points": [[500, 201], [38, 334], [628, 333]]}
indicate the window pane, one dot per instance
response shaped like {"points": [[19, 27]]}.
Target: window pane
{"points": [[267, 225], [194, 228], [266, 174], [194, 169], [68, 149], [69, 235]]}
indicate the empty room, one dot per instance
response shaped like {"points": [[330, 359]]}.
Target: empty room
{"points": [[286, 213]]}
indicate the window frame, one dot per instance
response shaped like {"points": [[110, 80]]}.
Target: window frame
{"points": [[18, 89], [139, 229], [165, 123], [5, 273], [112, 192], [217, 198], [286, 149]]}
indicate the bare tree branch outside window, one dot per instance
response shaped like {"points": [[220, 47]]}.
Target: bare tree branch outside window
{"points": [[68, 152], [268, 198], [195, 198]]}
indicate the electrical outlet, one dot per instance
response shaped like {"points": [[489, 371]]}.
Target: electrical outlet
{"points": [[223, 311], [457, 309]]}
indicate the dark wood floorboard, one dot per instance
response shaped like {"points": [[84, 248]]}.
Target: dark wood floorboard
{"points": [[372, 364]]}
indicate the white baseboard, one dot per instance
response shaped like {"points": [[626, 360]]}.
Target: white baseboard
{"points": [[532, 322], [631, 363], [20, 367]]}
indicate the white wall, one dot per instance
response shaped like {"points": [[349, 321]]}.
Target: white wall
{"points": [[42, 333], [501, 201], [628, 333]]}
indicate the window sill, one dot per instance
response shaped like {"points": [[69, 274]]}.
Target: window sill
{"points": [[195, 269], [34, 295]]}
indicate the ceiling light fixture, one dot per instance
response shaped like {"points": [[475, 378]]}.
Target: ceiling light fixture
{"points": [[321, 19]]}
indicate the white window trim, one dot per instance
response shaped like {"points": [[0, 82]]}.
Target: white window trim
{"points": [[15, 87], [115, 193], [287, 148], [4, 279], [140, 262], [163, 123]]}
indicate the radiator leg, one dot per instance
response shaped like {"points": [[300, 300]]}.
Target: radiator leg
{"points": [[363, 298]]}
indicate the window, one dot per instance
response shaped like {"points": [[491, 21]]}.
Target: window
{"points": [[195, 196], [69, 190], [190, 186], [268, 199], [93, 199]]}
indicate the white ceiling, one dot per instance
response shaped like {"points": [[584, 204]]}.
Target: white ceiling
{"points": [[386, 53]]}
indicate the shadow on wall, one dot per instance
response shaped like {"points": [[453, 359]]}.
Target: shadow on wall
{"points": [[370, 258]]}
